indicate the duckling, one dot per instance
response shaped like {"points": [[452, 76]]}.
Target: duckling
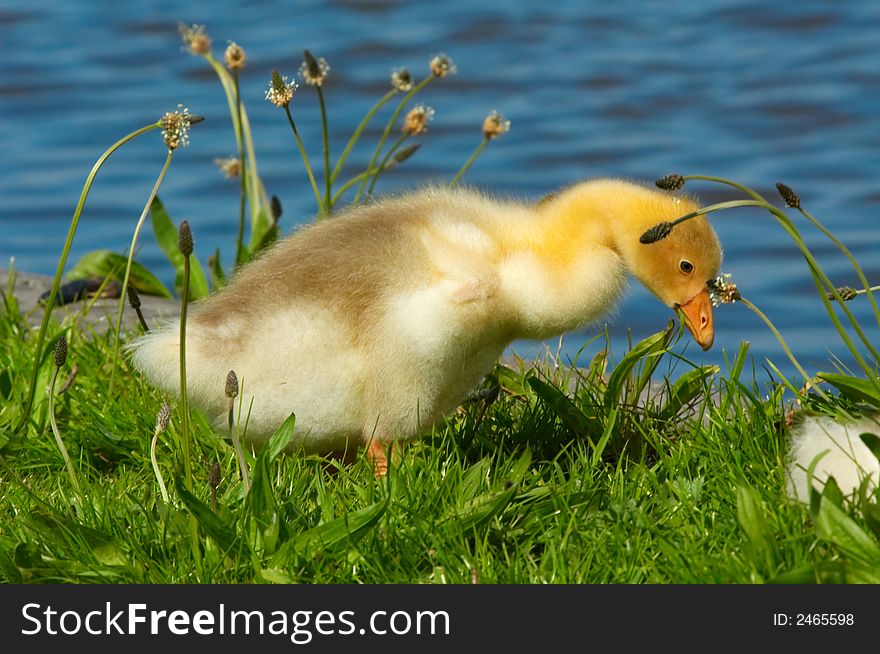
{"points": [[842, 454], [374, 324]]}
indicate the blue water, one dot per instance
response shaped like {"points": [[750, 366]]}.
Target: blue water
{"points": [[756, 91]]}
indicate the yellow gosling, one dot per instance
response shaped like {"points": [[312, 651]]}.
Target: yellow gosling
{"points": [[373, 325]]}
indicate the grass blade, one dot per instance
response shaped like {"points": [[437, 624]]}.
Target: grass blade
{"points": [[345, 529], [279, 441], [872, 441], [571, 416], [651, 347], [689, 386], [753, 523], [855, 388], [212, 524], [835, 526]]}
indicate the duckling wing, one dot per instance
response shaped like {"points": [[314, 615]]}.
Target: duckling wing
{"points": [[460, 257]]}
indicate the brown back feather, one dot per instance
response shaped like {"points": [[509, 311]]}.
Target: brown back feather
{"points": [[346, 263]]}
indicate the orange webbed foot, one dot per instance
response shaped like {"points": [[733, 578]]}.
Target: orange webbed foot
{"points": [[377, 453]]}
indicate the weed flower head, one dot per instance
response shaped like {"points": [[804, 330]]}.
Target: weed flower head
{"points": [[163, 418], [791, 198], [185, 239], [175, 127], [134, 300], [314, 71], [416, 121], [61, 351], [722, 290], [195, 39], [846, 293], [234, 57], [280, 91], [230, 166], [670, 182], [401, 80], [441, 66], [405, 153], [231, 385], [494, 126], [214, 475], [657, 233]]}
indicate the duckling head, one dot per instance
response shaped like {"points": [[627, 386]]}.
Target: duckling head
{"points": [[676, 268], [616, 213]]}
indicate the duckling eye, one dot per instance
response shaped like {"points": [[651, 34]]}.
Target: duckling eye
{"points": [[686, 266]]}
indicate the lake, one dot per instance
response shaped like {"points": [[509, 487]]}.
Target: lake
{"points": [[755, 91]]}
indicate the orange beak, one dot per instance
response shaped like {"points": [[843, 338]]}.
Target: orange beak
{"points": [[698, 312]]}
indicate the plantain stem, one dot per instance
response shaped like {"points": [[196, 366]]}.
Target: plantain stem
{"points": [[468, 163], [62, 262]]}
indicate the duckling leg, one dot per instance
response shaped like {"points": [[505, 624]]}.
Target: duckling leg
{"points": [[377, 453]]}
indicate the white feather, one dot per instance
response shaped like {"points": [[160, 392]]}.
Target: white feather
{"points": [[843, 455], [277, 379]]}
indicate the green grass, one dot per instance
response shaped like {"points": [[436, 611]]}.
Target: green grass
{"points": [[533, 488]]}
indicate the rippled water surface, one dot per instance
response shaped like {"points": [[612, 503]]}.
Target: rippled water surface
{"points": [[756, 91]]}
